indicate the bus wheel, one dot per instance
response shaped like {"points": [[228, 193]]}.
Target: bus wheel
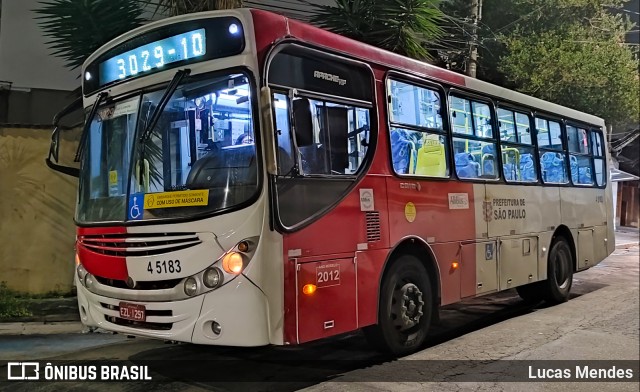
{"points": [[559, 272], [405, 308]]}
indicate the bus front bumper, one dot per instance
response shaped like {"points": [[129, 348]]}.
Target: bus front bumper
{"points": [[239, 308]]}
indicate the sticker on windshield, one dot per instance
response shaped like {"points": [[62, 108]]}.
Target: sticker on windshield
{"points": [[135, 207], [176, 199]]}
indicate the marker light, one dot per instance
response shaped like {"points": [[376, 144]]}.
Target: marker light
{"points": [[309, 289], [232, 263], [77, 260], [243, 246], [455, 265], [233, 28]]}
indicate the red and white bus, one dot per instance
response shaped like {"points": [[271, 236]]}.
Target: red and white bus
{"points": [[248, 179]]}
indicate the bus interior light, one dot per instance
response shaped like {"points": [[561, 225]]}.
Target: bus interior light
{"points": [[233, 28], [309, 289], [232, 263]]}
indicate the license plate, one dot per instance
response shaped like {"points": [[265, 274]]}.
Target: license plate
{"points": [[133, 312]]}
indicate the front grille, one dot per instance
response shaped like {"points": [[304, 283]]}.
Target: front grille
{"points": [[153, 285], [138, 244], [373, 226]]}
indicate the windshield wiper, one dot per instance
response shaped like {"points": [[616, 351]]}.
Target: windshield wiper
{"points": [[85, 130], [155, 116]]}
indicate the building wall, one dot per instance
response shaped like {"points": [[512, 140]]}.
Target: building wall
{"points": [[629, 204], [25, 60], [37, 207]]}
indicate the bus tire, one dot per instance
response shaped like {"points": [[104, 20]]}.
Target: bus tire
{"points": [[405, 308], [559, 272]]}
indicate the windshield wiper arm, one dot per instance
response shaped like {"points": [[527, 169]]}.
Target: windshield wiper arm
{"points": [[87, 125], [155, 116]]}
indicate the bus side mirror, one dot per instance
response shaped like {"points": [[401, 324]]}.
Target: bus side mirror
{"points": [[266, 110], [53, 158]]}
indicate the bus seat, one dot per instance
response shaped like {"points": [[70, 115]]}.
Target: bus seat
{"points": [[511, 163], [552, 168], [510, 171], [466, 166], [574, 168], [401, 148], [488, 160], [527, 168], [431, 158], [584, 175], [224, 168]]}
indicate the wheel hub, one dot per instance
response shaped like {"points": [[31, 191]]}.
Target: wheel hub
{"points": [[407, 306]]}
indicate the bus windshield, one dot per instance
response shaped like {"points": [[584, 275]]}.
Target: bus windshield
{"points": [[199, 158]]}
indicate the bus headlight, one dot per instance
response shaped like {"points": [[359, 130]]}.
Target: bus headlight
{"points": [[190, 286], [212, 277]]}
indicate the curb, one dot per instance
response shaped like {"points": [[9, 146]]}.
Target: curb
{"points": [[34, 328]]}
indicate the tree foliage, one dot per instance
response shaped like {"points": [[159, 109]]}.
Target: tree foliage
{"points": [[76, 28], [570, 52], [181, 7], [406, 27]]}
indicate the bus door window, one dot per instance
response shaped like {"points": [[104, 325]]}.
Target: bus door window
{"points": [[475, 153], [518, 155], [331, 138], [284, 152]]}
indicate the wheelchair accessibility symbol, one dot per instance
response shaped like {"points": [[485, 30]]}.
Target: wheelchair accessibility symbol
{"points": [[135, 210]]}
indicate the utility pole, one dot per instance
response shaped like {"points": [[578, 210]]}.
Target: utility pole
{"points": [[476, 15]]}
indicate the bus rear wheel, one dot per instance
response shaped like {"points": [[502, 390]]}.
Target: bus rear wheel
{"points": [[559, 272], [556, 288], [405, 308]]}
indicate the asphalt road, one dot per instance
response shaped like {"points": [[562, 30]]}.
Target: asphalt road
{"points": [[599, 322]]}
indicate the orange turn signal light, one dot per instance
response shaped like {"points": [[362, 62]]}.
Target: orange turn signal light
{"points": [[455, 265], [309, 289], [232, 263]]}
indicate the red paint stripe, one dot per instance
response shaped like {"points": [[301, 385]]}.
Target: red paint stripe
{"points": [[110, 267]]}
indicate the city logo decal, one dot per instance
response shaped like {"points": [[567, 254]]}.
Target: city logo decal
{"points": [[487, 209], [504, 209]]}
